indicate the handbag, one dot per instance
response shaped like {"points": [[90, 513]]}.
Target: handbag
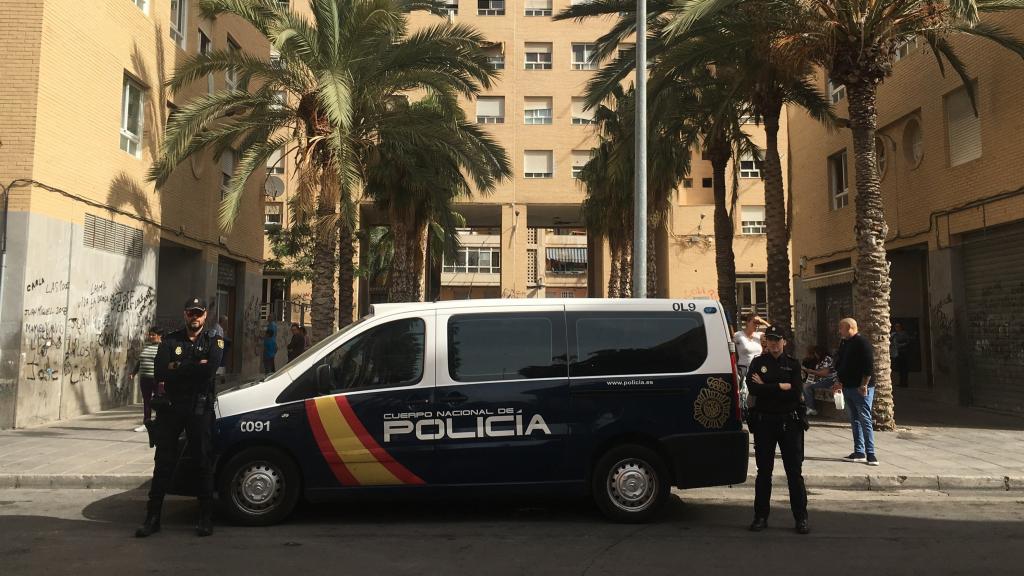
{"points": [[839, 400]]}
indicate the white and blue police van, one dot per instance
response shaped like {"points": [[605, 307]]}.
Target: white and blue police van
{"points": [[618, 399]]}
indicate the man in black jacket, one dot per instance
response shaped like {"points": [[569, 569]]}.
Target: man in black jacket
{"points": [[777, 418], [855, 363], [184, 367]]}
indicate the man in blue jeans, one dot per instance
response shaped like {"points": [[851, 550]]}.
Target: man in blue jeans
{"points": [[855, 362]]}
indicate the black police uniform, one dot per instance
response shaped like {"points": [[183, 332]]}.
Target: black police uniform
{"points": [[186, 368], [777, 418]]}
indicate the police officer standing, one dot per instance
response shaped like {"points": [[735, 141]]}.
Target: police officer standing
{"points": [[777, 418], [184, 368]]}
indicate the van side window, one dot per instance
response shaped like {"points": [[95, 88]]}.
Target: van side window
{"points": [[389, 355], [513, 346], [616, 343]]}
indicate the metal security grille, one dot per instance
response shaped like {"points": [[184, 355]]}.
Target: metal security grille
{"points": [[109, 236], [993, 262]]}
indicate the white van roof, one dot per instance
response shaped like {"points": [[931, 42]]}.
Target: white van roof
{"points": [[386, 309]]}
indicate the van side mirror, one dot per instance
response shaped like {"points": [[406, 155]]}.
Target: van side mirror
{"points": [[324, 381]]}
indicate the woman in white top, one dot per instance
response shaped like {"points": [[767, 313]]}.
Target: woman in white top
{"points": [[748, 346]]}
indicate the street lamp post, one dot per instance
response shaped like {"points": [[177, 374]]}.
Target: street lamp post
{"points": [[640, 161]]}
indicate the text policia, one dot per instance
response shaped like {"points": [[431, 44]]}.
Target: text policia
{"points": [[459, 424]]}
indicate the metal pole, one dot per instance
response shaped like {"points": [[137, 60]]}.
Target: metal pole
{"points": [[640, 133]]}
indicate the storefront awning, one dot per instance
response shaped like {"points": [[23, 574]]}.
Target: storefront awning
{"points": [[568, 255], [833, 278]]}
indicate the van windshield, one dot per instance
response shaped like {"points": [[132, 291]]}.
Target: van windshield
{"points": [[319, 346]]}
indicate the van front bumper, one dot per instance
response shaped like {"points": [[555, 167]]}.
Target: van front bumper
{"points": [[708, 459]]}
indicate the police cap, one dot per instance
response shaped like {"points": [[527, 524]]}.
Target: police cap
{"points": [[774, 333], [195, 304]]}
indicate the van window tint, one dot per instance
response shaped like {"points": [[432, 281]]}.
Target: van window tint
{"points": [[486, 347], [389, 355], [637, 343]]}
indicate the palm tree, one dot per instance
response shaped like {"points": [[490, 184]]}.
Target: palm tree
{"points": [[424, 156], [338, 71], [854, 43]]}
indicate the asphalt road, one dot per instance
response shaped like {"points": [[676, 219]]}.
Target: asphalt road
{"points": [[87, 532]]}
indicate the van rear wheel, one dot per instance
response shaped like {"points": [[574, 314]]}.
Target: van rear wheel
{"points": [[630, 483], [259, 486]]}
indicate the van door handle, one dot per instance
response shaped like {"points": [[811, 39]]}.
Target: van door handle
{"points": [[417, 403], [455, 398]]}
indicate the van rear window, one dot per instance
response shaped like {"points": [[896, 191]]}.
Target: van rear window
{"points": [[617, 343], [488, 347]]}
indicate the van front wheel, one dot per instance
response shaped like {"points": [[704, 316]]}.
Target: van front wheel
{"points": [[630, 483], [259, 486]]}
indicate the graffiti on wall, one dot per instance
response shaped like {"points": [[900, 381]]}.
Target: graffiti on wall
{"points": [[90, 339], [943, 330], [700, 292]]}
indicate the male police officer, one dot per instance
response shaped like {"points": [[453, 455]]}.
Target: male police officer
{"points": [[776, 418], [184, 368]]}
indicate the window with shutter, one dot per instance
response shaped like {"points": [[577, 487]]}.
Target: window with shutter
{"points": [[538, 56], [537, 110], [538, 164], [963, 128], [538, 7], [752, 220], [579, 160], [580, 114], [490, 110]]}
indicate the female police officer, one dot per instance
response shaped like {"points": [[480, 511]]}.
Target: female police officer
{"points": [[777, 418]]}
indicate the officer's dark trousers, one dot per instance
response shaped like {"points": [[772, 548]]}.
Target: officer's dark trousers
{"points": [[180, 415], [783, 430]]}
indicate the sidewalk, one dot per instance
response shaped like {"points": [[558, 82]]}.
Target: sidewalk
{"points": [[937, 447]]}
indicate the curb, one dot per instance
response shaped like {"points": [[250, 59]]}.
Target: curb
{"points": [[857, 482], [75, 481]]}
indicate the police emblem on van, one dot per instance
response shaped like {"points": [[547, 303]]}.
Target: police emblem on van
{"points": [[711, 408]]}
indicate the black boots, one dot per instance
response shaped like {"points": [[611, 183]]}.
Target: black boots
{"points": [[150, 526], [758, 524], [205, 525]]}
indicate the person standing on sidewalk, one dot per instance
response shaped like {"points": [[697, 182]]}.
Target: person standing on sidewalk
{"points": [[269, 348], [748, 347], [144, 369], [184, 368], [776, 418], [855, 363], [817, 368], [297, 344]]}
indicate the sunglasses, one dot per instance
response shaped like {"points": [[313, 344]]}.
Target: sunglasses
{"points": [[195, 312]]}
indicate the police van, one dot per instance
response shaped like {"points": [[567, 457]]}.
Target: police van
{"points": [[620, 399]]}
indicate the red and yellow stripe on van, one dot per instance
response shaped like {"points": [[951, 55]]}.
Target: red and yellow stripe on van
{"points": [[351, 452]]}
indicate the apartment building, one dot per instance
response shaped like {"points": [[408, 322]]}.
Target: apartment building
{"points": [[953, 187], [527, 239], [92, 253]]}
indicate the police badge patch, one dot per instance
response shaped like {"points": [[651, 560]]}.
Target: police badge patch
{"points": [[177, 351], [220, 343]]}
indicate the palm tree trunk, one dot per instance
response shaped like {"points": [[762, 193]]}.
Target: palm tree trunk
{"points": [[615, 273], [725, 259], [346, 274], [652, 256], [872, 285], [322, 303], [779, 309], [403, 286], [626, 262], [421, 253]]}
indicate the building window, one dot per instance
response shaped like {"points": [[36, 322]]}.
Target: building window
{"points": [[272, 214], [179, 21], [131, 117], [205, 47], [837, 183], [490, 110], [142, 4], [227, 170], [283, 4], [687, 182], [474, 260], [581, 115], [627, 51], [566, 261], [538, 164], [109, 236], [537, 111], [579, 160], [750, 167], [451, 7], [280, 98], [495, 54], [904, 48], [707, 182], [752, 220], [582, 56], [752, 295], [836, 91], [538, 7], [231, 75], [275, 163], [538, 56], [490, 7], [567, 294], [963, 128], [913, 143]]}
